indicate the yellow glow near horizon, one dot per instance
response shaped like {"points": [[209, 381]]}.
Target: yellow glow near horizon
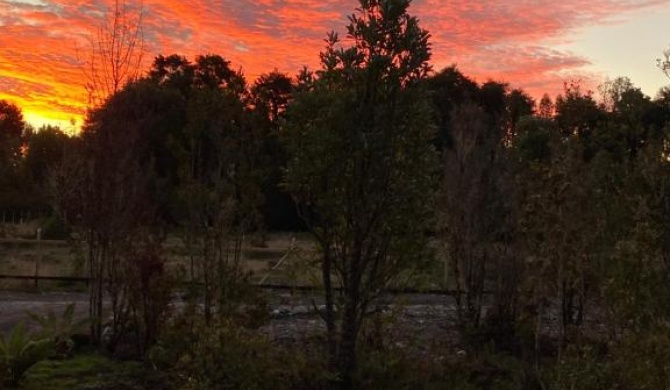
{"points": [[70, 126]]}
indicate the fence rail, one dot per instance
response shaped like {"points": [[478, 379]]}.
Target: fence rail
{"points": [[265, 286], [46, 278]]}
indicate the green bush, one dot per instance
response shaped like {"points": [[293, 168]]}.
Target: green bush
{"points": [[19, 351], [60, 328], [92, 371], [641, 361], [226, 355], [54, 228], [398, 369], [580, 367], [395, 370]]}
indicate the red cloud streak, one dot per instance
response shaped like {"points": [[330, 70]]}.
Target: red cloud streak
{"points": [[43, 42]]}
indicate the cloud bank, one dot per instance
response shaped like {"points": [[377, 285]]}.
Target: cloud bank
{"points": [[44, 43]]}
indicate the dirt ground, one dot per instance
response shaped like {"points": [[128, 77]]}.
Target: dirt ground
{"points": [[420, 320], [14, 306]]}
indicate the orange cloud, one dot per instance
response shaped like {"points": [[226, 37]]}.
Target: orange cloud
{"points": [[43, 43]]}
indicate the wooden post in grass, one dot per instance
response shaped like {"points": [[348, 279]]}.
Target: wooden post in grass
{"points": [[38, 256], [446, 272]]}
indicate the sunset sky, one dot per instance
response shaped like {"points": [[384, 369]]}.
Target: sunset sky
{"points": [[532, 44]]}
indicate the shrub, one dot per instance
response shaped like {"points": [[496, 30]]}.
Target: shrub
{"points": [[581, 367], [226, 355], [19, 352], [641, 360], [60, 328], [54, 228]]}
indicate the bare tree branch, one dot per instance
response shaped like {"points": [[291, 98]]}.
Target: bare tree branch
{"points": [[116, 51]]}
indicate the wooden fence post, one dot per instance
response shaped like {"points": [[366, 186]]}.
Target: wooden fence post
{"points": [[38, 258]]}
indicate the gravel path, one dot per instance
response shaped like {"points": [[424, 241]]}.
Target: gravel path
{"points": [[14, 306], [418, 319]]}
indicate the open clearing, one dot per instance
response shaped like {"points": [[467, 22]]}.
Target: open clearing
{"points": [[277, 258], [285, 258]]}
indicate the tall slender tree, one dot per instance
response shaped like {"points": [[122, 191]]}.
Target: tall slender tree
{"points": [[361, 164]]}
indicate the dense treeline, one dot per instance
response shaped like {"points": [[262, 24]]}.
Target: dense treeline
{"points": [[552, 218]]}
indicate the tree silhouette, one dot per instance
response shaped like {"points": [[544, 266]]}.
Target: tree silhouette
{"points": [[271, 93], [173, 71], [13, 186], [664, 63], [449, 88], [11, 131], [361, 164], [44, 151]]}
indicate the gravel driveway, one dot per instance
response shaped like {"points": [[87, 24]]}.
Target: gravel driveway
{"points": [[14, 306], [420, 319]]}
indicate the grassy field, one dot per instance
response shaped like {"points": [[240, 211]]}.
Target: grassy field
{"points": [[19, 256], [276, 258], [90, 371]]}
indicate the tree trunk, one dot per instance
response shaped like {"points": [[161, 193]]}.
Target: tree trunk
{"points": [[350, 325], [329, 315], [347, 353]]}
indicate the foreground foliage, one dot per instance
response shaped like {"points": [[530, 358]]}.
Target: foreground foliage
{"points": [[19, 351]]}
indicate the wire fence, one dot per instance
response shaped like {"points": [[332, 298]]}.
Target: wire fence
{"points": [[265, 286], [19, 217]]}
